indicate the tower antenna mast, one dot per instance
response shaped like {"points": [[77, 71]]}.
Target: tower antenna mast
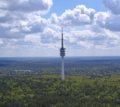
{"points": [[62, 37]]}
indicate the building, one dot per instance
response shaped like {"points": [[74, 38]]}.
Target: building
{"points": [[62, 54]]}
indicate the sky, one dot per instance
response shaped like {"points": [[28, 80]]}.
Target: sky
{"points": [[32, 28]]}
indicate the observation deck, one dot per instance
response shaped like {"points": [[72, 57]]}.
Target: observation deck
{"points": [[62, 52]]}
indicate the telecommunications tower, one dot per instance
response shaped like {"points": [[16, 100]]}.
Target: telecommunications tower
{"points": [[62, 54]]}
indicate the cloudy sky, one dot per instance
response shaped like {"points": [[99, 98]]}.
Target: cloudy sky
{"points": [[32, 28]]}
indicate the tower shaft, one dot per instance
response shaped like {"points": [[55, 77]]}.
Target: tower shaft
{"points": [[62, 69]]}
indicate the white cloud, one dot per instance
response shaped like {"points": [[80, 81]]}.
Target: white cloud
{"points": [[20, 17], [107, 20], [34, 26], [14, 30], [19, 28], [89, 39], [112, 5], [32, 38], [79, 16], [42, 6], [77, 40], [86, 44], [28, 31], [10, 32], [1, 42], [9, 16]]}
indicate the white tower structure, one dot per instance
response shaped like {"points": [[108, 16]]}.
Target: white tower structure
{"points": [[62, 54]]}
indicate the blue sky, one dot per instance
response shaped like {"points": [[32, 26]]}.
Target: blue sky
{"points": [[32, 28], [60, 6]]}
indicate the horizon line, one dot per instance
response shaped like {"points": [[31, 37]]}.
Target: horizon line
{"points": [[51, 56]]}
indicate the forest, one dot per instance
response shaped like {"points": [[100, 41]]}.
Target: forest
{"points": [[33, 82]]}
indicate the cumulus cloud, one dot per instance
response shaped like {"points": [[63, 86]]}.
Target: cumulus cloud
{"points": [[113, 23], [20, 17], [112, 5], [26, 5], [11, 16], [50, 36], [50, 39], [46, 39], [79, 16], [89, 39], [22, 28], [8, 32], [32, 38], [18, 29], [1, 42], [106, 20], [36, 25]]}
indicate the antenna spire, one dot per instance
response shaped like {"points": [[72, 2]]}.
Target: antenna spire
{"points": [[62, 37]]}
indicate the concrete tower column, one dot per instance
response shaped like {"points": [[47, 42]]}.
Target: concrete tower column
{"points": [[62, 69]]}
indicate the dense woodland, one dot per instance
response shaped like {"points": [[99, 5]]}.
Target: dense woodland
{"points": [[46, 91], [90, 82]]}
